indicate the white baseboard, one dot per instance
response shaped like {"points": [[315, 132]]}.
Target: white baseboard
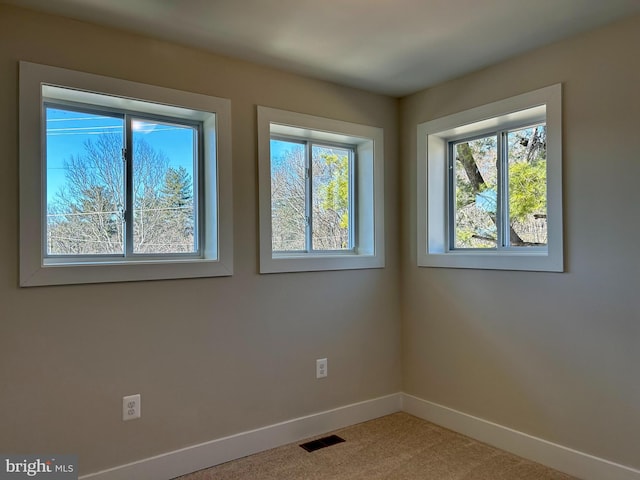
{"points": [[573, 462], [204, 455], [197, 457]]}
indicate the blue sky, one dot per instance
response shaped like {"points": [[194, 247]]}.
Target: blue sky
{"points": [[279, 149], [67, 132]]}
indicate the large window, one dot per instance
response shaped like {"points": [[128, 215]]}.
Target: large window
{"points": [[121, 184], [321, 193], [125, 183], [490, 186]]}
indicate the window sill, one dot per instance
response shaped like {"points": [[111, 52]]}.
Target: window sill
{"points": [[318, 262], [125, 271], [536, 261]]}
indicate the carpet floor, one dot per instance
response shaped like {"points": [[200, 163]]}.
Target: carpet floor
{"points": [[394, 447]]}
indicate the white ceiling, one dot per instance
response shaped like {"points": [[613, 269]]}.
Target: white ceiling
{"points": [[394, 47]]}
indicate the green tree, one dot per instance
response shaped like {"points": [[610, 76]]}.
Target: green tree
{"points": [[528, 196], [177, 200], [177, 190], [330, 170], [330, 200], [477, 178], [335, 194]]}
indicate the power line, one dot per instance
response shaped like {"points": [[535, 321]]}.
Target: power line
{"points": [[82, 128], [56, 132], [77, 119], [135, 210]]}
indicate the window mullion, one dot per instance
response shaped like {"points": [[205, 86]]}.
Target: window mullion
{"points": [[308, 196], [128, 187], [500, 240], [502, 196], [199, 180], [352, 196], [451, 197]]}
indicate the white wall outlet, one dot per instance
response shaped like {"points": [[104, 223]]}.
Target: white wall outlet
{"points": [[321, 368], [131, 407]]}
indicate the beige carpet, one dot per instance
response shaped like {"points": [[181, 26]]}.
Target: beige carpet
{"points": [[397, 446]]}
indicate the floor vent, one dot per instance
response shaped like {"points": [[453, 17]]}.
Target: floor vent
{"points": [[314, 445]]}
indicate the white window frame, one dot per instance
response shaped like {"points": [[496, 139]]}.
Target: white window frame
{"points": [[433, 243], [40, 81], [368, 247]]}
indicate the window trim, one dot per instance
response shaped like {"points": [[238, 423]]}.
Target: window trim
{"points": [[433, 182], [368, 251], [37, 82]]}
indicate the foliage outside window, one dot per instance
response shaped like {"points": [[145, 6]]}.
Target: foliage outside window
{"points": [[321, 193], [490, 186], [311, 196], [499, 190], [121, 181]]}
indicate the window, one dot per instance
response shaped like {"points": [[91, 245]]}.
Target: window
{"points": [[490, 186], [498, 188], [120, 183], [321, 193], [311, 196], [126, 182]]}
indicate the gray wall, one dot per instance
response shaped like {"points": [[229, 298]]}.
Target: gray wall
{"points": [[211, 357], [552, 355]]}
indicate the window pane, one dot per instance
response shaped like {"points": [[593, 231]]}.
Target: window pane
{"points": [[475, 193], [165, 157], [528, 186], [85, 188], [331, 198], [288, 213]]}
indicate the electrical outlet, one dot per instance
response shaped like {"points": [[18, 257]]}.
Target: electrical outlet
{"points": [[321, 368], [131, 407]]}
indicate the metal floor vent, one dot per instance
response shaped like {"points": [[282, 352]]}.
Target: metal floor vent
{"points": [[314, 445]]}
